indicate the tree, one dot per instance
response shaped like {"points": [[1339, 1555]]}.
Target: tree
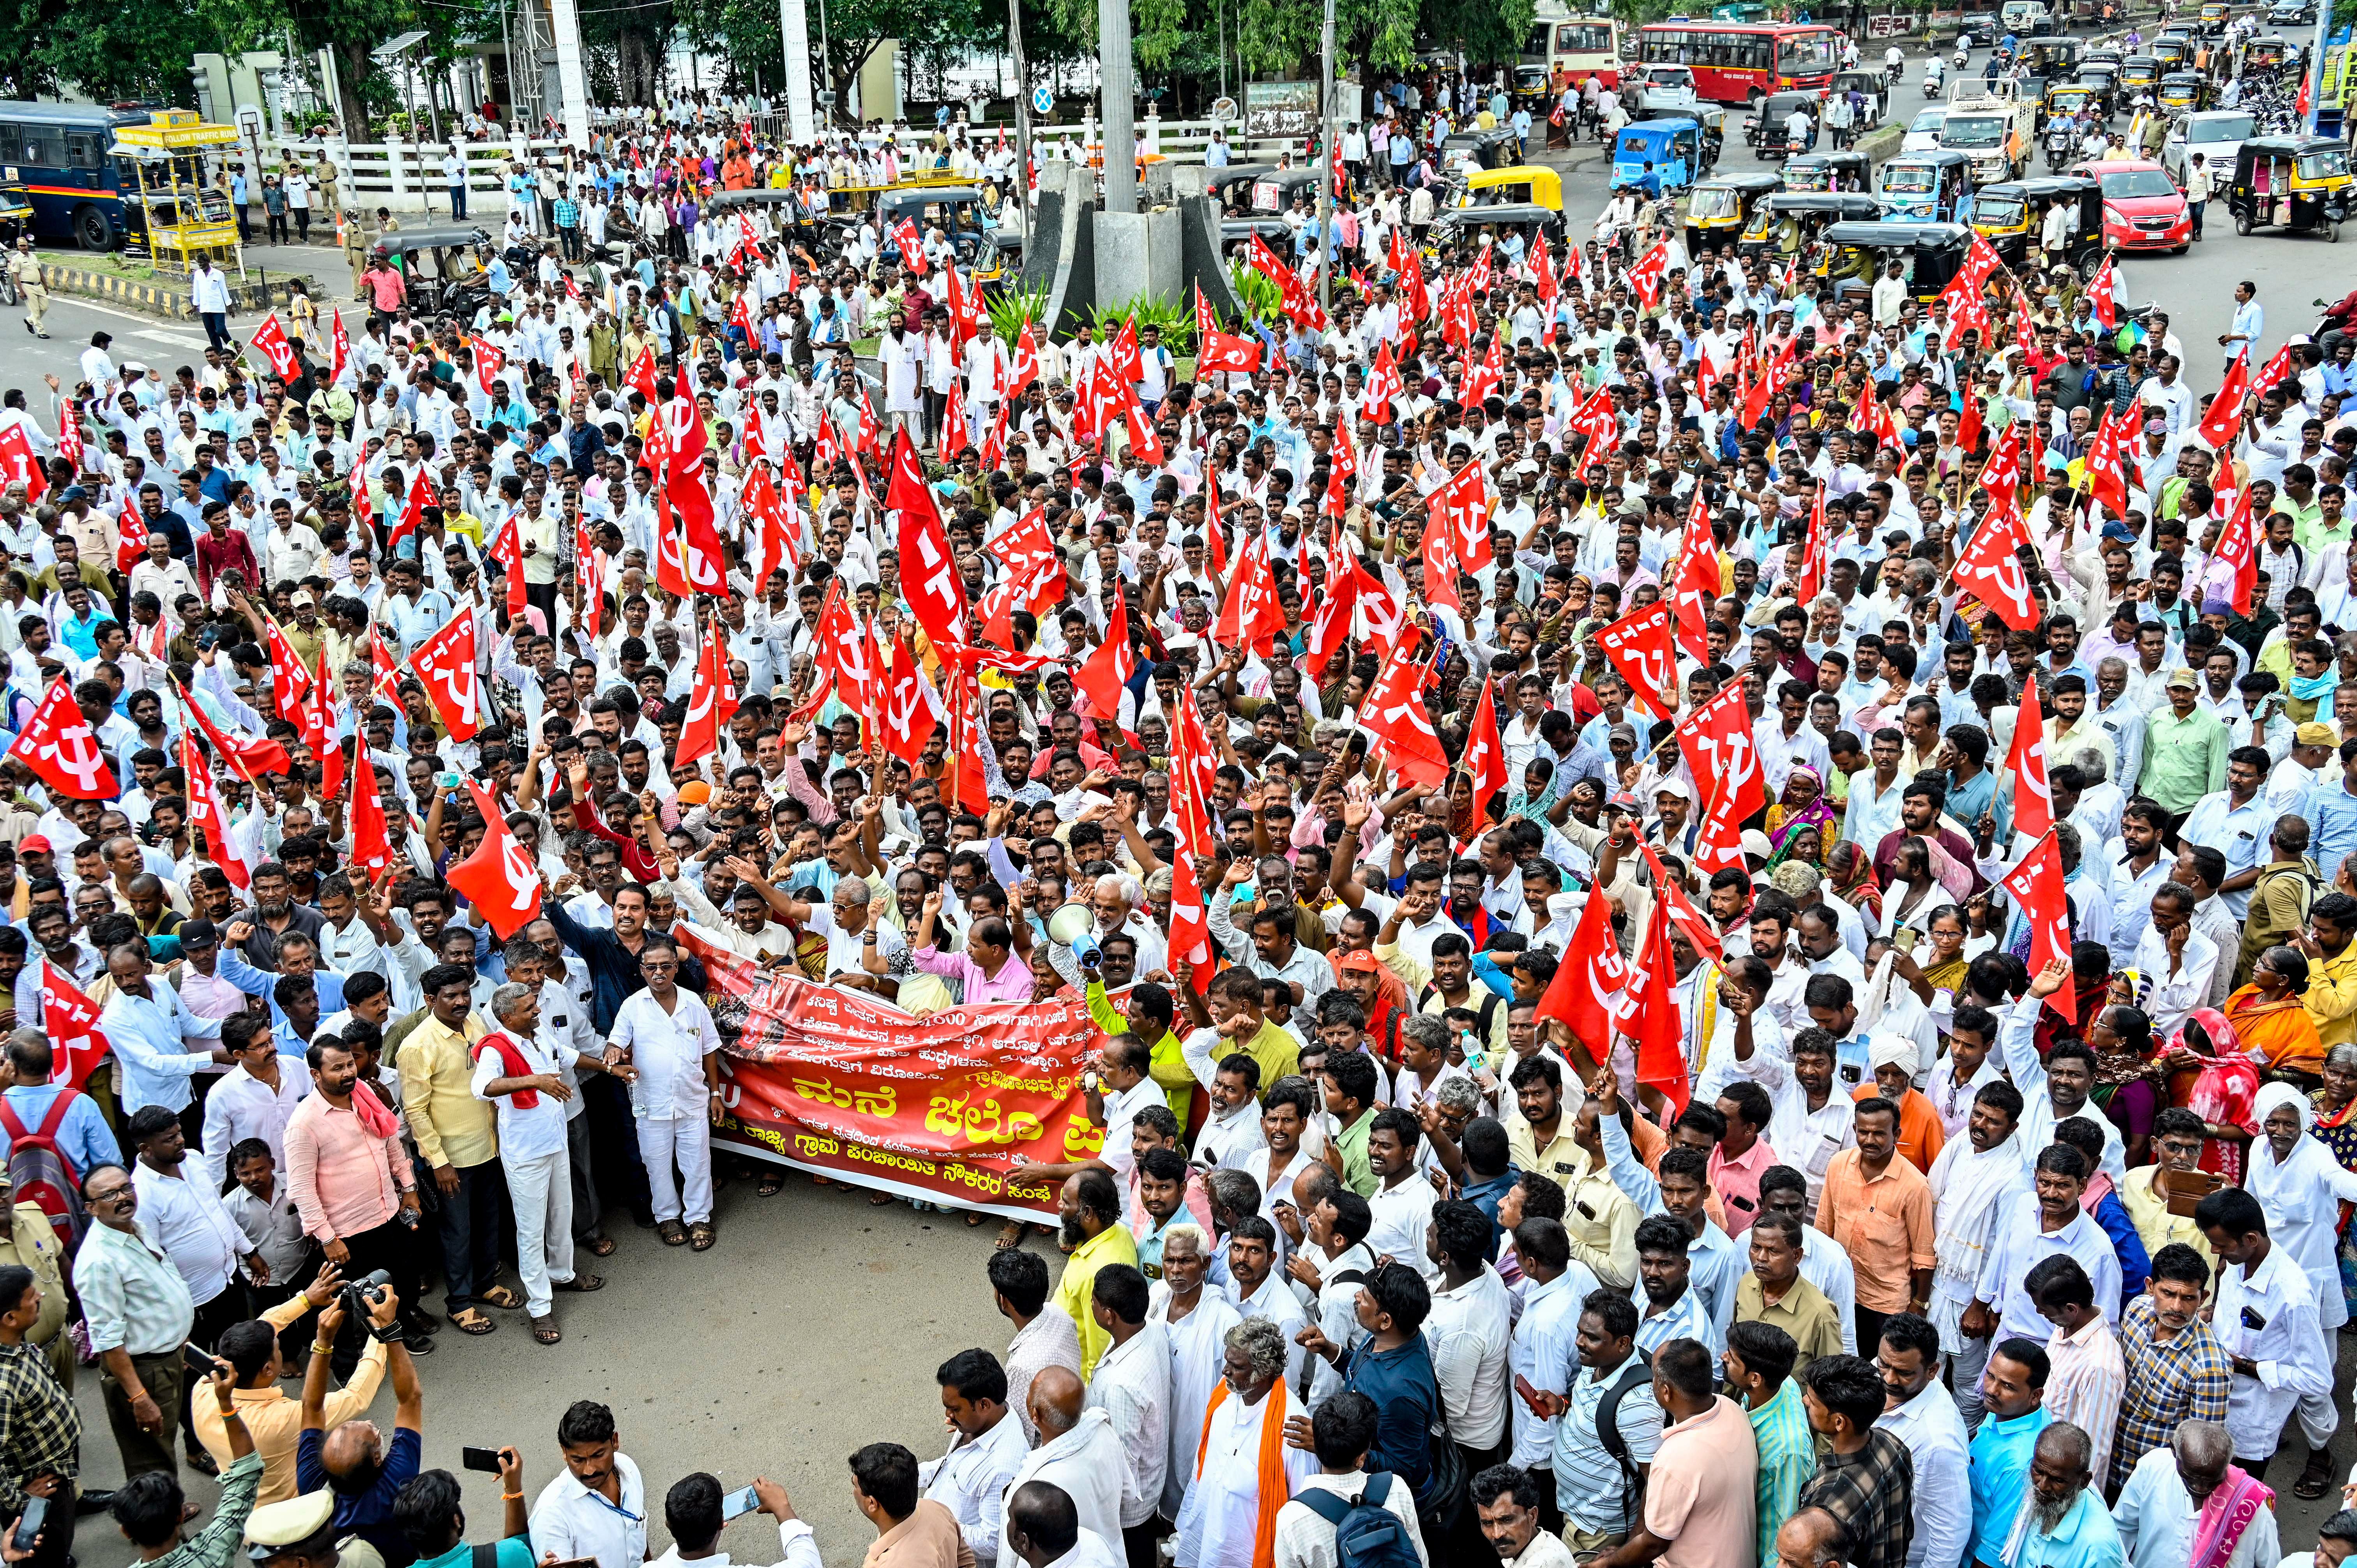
{"points": [[352, 29], [105, 50]]}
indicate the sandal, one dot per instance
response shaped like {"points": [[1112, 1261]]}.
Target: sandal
{"points": [[771, 1184], [600, 1246], [975, 1217], [202, 1463], [470, 1320], [1010, 1235], [672, 1232], [581, 1284], [2311, 1485], [506, 1298], [880, 1199], [701, 1236], [544, 1330]]}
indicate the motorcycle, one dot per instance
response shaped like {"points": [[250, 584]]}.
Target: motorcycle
{"points": [[2057, 147], [1934, 77], [1963, 55]]}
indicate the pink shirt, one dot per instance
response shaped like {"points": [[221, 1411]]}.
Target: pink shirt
{"points": [[1701, 1495], [1011, 983], [1736, 1183], [345, 1182]]}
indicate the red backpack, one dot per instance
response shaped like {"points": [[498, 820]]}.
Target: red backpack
{"points": [[39, 1171]]}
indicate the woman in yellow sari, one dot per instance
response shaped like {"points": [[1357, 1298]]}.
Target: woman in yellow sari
{"points": [[2273, 1025]]}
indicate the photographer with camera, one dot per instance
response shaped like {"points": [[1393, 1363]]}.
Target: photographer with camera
{"points": [[150, 1508], [354, 1461], [257, 1359], [429, 1513]]}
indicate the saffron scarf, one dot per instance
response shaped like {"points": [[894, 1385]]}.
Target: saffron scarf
{"points": [[1275, 1489], [2226, 1512]]}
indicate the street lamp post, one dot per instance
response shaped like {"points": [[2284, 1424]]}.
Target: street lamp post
{"points": [[1325, 165]]}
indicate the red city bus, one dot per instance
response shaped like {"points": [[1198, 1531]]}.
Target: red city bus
{"points": [[1742, 62]]}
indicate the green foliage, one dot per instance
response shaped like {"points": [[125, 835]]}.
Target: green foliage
{"points": [[1259, 293], [1176, 320], [1010, 308], [106, 50]]}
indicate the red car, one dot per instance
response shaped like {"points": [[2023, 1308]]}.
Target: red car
{"points": [[2143, 209]]}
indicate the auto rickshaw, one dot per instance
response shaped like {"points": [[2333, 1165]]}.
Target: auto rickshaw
{"points": [[2264, 55], [2172, 52], [1923, 187], [2290, 182], [2139, 73], [17, 213], [1846, 170], [1527, 185], [2053, 58], [1853, 255], [1238, 230], [1719, 207], [1483, 149], [1276, 191], [443, 265], [1462, 225], [2102, 80], [2011, 215], [1232, 186], [1765, 130], [1786, 223], [2183, 92], [1712, 118], [2067, 100], [1531, 89], [982, 246], [1657, 157], [2214, 15]]}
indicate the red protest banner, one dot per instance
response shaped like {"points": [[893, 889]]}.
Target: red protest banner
{"points": [[936, 1108]]}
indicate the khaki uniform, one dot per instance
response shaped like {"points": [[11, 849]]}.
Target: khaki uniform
{"points": [[33, 1244], [356, 250], [26, 269]]}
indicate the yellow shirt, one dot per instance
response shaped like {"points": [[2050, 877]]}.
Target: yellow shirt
{"points": [[2155, 1225], [437, 1096], [276, 1417], [1077, 1289]]}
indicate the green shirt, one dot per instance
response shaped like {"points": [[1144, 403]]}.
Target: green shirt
{"points": [[1352, 1142], [1788, 1457], [515, 1552], [1169, 1069], [2184, 760], [215, 1545]]}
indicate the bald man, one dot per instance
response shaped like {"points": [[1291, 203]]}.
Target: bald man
{"points": [[1812, 1539], [2170, 1486], [354, 1461], [1079, 1453]]}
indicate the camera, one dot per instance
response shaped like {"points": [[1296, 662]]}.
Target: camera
{"points": [[356, 1303]]}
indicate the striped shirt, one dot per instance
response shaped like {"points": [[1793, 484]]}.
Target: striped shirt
{"points": [[2085, 1385], [1788, 1458], [1589, 1485]]}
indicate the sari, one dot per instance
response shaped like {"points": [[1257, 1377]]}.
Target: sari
{"points": [[1851, 871], [1785, 820], [2278, 1035], [2337, 1131], [2224, 1091]]}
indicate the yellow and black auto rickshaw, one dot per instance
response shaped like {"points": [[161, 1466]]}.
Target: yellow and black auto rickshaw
{"points": [[1790, 222], [2068, 100], [2053, 58], [1846, 170], [2138, 73], [2214, 14], [1717, 209], [1851, 256], [2012, 217], [2183, 92], [2290, 182], [2172, 52]]}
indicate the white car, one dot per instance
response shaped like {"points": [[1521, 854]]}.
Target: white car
{"points": [[2216, 134], [1923, 130], [1667, 90]]}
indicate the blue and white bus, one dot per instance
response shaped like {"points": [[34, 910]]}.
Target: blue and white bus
{"points": [[58, 152]]}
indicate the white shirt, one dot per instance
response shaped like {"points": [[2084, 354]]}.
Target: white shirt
{"points": [[1304, 1539], [1934, 1430], [526, 1132], [1467, 1333], [1132, 1386], [242, 1106], [668, 1049], [2155, 1515], [570, 1520], [1544, 1353], [1401, 1212], [188, 1221], [970, 1482], [1088, 1462], [1221, 1513]]}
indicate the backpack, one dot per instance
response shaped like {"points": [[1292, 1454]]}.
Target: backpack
{"points": [[1366, 1533], [1636, 1372], [39, 1171]]}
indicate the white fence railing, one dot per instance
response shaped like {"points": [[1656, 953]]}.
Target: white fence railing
{"points": [[410, 177]]}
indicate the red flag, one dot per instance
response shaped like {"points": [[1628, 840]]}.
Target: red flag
{"points": [[2001, 475], [507, 549], [911, 245], [1991, 572], [131, 537], [1698, 580], [2035, 884], [2106, 470], [1143, 441], [1190, 927], [2103, 291], [641, 377], [1383, 385], [1716, 741], [912, 709], [1485, 378], [1638, 646], [371, 837], [1671, 894], [1484, 761], [446, 663], [710, 705], [270, 342], [1385, 611], [252, 758], [1026, 368], [1651, 1015], [1816, 553], [60, 745], [498, 879], [2225, 416], [1589, 991], [1395, 711], [2033, 799], [20, 466], [955, 437], [209, 815], [1102, 678], [1252, 617], [340, 343], [489, 359], [929, 575], [2238, 552], [1652, 268], [1235, 355], [77, 1044], [1121, 354]]}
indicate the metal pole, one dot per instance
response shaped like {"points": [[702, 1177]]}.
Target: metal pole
{"points": [[825, 69], [1325, 165], [1120, 124], [793, 29], [1022, 114]]}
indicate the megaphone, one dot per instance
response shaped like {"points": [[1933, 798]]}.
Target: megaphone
{"points": [[1069, 923]]}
